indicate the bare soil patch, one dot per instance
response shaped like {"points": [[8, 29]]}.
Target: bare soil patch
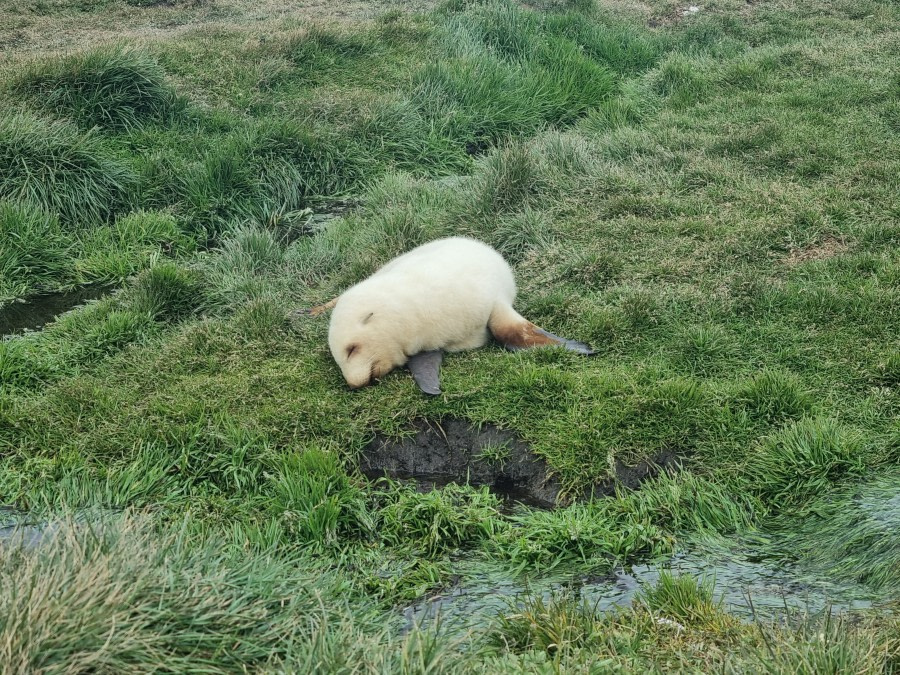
{"points": [[453, 450]]}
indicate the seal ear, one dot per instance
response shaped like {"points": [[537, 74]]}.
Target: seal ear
{"points": [[425, 368]]}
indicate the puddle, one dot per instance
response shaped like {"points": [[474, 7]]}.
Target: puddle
{"points": [[452, 450], [16, 531], [748, 587], [38, 310]]}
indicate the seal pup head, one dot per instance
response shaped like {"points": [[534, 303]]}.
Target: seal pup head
{"points": [[363, 342]]}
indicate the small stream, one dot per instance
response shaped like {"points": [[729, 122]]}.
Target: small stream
{"points": [[38, 310], [753, 574], [747, 586]]}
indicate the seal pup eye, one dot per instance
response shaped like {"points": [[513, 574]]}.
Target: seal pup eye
{"points": [[351, 349]]}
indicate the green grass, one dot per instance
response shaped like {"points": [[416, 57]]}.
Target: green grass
{"points": [[682, 599], [35, 250], [803, 459], [710, 202], [108, 87], [175, 604], [54, 166]]}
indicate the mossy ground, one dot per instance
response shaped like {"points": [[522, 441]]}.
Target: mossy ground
{"points": [[709, 200]]}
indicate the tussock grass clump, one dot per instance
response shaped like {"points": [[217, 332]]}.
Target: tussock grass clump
{"points": [[318, 162], [395, 231], [705, 348], [320, 51], [626, 527], [480, 101], [617, 45], [110, 334], [112, 87], [517, 233], [509, 71], [167, 292], [35, 250], [263, 319], [888, 371], [153, 227], [312, 259], [250, 249], [580, 83], [803, 459], [557, 625], [318, 504], [274, 169], [850, 534], [518, 175], [590, 268], [72, 342], [629, 108], [441, 520], [395, 127], [584, 533], [829, 644], [774, 396], [686, 502], [60, 169], [222, 187], [19, 368], [680, 80], [248, 261], [506, 179], [115, 252], [682, 598]]}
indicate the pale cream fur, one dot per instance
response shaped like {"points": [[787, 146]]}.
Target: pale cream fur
{"points": [[441, 295]]}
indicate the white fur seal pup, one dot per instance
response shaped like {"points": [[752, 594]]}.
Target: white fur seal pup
{"points": [[447, 295]]}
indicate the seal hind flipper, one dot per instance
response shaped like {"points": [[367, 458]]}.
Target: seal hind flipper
{"points": [[425, 368], [515, 332], [571, 345]]}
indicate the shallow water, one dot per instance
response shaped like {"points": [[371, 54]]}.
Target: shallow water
{"points": [[747, 585], [38, 310], [17, 532]]}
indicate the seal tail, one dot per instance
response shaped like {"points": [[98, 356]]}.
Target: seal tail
{"points": [[515, 332], [318, 309]]}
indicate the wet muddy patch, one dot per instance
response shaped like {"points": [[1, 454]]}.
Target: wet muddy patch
{"points": [[38, 310], [453, 450]]}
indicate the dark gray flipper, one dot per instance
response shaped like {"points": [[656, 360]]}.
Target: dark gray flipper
{"points": [[571, 345], [425, 368]]}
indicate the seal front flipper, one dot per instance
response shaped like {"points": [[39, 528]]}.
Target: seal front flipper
{"points": [[425, 368]]}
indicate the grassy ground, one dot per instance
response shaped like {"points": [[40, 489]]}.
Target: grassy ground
{"points": [[709, 199]]}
